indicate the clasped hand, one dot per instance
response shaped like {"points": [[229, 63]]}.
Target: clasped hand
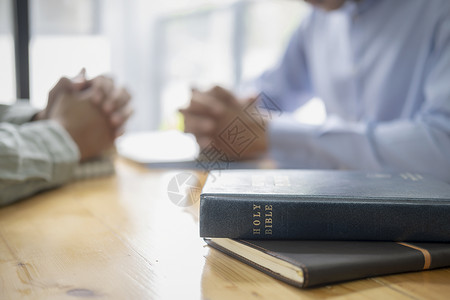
{"points": [[219, 121], [93, 112]]}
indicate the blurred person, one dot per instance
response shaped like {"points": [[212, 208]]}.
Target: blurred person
{"points": [[382, 69], [40, 149]]}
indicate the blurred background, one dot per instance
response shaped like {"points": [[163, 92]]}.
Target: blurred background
{"points": [[157, 49]]}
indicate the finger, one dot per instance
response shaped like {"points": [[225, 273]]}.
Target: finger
{"points": [[120, 131], [223, 95], [202, 103], [81, 76], [80, 82], [120, 117], [199, 125], [192, 115], [194, 89], [183, 111], [63, 85], [102, 87], [118, 99], [204, 142]]}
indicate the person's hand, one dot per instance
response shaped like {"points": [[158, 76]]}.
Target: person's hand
{"points": [[219, 120], [113, 101], [88, 126], [64, 85]]}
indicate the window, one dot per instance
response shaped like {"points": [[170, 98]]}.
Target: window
{"points": [[194, 50], [7, 74], [158, 50], [221, 44], [269, 25], [65, 36]]}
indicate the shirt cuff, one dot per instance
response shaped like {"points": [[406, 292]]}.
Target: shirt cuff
{"points": [[292, 144], [60, 146], [19, 113]]}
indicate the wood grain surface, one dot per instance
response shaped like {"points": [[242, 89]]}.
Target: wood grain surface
{"points": [[121, 237]]}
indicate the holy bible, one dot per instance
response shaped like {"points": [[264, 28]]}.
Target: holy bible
{"points": [[324, 205]]}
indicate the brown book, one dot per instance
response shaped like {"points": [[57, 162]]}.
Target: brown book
{"points": [[312, 263]]}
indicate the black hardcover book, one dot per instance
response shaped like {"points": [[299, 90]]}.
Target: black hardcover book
{"points": [[312, 263], [324, 205]]}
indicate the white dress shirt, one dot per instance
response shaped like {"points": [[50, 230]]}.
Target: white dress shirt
{"points": [[382, 68]]}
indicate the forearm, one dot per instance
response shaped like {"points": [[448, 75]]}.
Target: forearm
{"points": [[415, 146], [33, 157]]}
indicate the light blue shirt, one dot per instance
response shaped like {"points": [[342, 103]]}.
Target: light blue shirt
{"points": [[382, 68]]}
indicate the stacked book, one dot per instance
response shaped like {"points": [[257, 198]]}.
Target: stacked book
{"points": [[311, 227]]}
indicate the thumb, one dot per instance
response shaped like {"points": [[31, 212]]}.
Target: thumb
{"points": [[224, 95], [79, 82], [64, 84]]}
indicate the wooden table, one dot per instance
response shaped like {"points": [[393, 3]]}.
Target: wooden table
{"points": [[120, 237]]}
